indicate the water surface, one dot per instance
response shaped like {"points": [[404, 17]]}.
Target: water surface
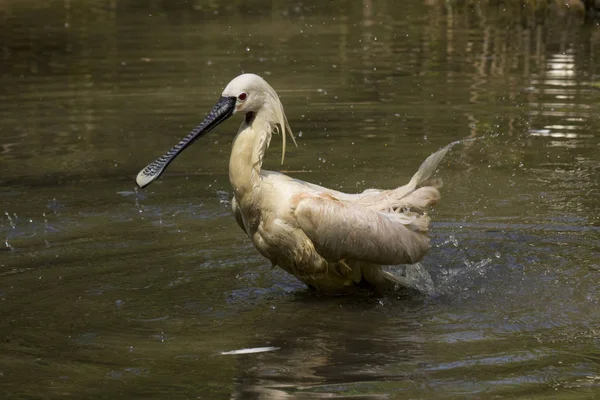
{"points": [[111, 292]]}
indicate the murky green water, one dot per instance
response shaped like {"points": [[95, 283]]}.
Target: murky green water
{"points": [[107, 292]]}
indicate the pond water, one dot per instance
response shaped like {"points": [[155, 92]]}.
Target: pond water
{"points": [[107, 291]]}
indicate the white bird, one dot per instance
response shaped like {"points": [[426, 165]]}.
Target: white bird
{"points": [[332, 241]]}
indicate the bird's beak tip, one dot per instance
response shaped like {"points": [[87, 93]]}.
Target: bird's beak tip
{"points": [[143, 180]]}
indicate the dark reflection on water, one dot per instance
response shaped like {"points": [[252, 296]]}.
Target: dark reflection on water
{"points": [[106, 291]]}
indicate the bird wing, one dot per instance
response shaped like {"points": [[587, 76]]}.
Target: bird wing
{"points": [[344, 230], [237, 213]]}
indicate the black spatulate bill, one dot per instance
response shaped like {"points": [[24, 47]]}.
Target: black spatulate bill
{"points": [[220, 112]]}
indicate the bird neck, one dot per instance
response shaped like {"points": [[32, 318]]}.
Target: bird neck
{"points": [[247, 153]]}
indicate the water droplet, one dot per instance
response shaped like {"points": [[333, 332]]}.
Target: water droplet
{"points": [[137, 201], [10, 220]]}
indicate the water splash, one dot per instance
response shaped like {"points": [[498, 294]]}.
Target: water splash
{"points": [[46, 229], [9, 235], [452, 280], [11, 221], [451, 240], [54, 207], [137, 196], [7, 245], [223, 197], [420, 278], [137, 200]]}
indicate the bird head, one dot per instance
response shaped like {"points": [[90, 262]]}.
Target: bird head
{"points": [[246, 93]]}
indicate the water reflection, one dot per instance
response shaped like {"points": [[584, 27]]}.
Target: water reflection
{"points": [[107, 291], [333, 356]]}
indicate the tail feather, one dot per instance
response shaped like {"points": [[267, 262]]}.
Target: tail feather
{"points": [[408, 196], [419, 200], [408, 204], [426, 169], [429, 166]]}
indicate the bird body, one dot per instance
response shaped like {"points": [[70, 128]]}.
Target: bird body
{"points": [[332, 241]]}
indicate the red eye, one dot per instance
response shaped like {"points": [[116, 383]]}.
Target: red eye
{"points": [[242, 96]]}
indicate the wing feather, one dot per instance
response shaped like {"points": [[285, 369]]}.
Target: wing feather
{"points": [[344, 230]]}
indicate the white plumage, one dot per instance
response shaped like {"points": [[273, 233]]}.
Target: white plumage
{"points": [[332, 241]]}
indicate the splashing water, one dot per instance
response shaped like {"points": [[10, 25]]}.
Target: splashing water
{"points": [[137, 201], [13, 223], [223, 197], [453, 279], [46, 229], [9, 235], [420, 277]]}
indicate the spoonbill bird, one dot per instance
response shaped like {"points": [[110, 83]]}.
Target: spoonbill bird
{"points": [[332, 241]]}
